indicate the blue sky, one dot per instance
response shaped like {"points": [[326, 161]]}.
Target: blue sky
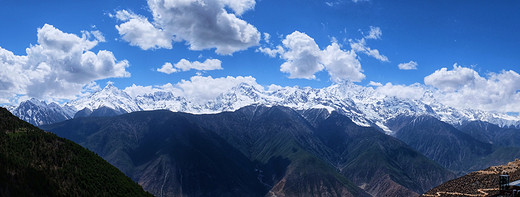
{"points": [[479, 35]]}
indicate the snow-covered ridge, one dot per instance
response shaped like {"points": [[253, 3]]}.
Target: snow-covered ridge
{"points": [[364, 105], [110, 97]]}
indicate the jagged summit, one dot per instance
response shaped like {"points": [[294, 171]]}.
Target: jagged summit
{"points": [[110, 97], [39, 112], [364, 105]]}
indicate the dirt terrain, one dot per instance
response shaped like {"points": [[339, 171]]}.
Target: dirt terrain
{"points": [[479, 183]]}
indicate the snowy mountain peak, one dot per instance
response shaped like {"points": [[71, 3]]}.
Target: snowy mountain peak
{"points": [[34, 101], [111, 90], [364, 105], [39, 112], [110, 97]]}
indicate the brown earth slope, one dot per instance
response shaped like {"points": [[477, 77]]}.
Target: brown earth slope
{"points": [[479, 183]]}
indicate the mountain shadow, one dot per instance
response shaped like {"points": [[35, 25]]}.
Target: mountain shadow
{"points": [[255, 151]]}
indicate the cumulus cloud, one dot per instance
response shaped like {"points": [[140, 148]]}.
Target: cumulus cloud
{"points": [[202, 24], [138, 31], [408, 66], [167, 68], [303, 58], [58, 66], [209, 64], [361, 46], [459, 77], [185, 65], [464, 88], [342, 65]]}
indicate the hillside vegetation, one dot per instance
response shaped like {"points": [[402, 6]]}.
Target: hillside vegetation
{"points": [[37, 163]]}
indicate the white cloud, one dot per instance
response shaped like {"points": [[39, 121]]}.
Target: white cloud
{"points": [[201, 89], [464, 88], [332, 3], [197, 89], [374, 33], [185, 65], [267, 36], [361, 46], [97, 35], [342, 65], [239, 6], [91, 87], [202, 24], [137, 90], [408, 66], [167, 68], [85, 91], [414, 91], [138, 31], [272, 52], [453, 79], [58, 67], [274, 87], [375, 84], [209, 64], [303, 56]]}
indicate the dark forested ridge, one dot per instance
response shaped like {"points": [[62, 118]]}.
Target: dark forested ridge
{"points": [[255, 151], [37, 163]]}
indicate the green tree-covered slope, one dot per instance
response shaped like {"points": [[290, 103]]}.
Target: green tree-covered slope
{"points": [[37, 163]]}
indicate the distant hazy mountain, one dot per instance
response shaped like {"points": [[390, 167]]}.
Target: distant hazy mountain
{"points": [[255, 151], [450, 147], [37, 163], [363, 105], [491, 133]]}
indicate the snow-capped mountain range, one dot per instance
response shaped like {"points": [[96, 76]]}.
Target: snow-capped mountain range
{"points": [[39, 113], [364, 105]]}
